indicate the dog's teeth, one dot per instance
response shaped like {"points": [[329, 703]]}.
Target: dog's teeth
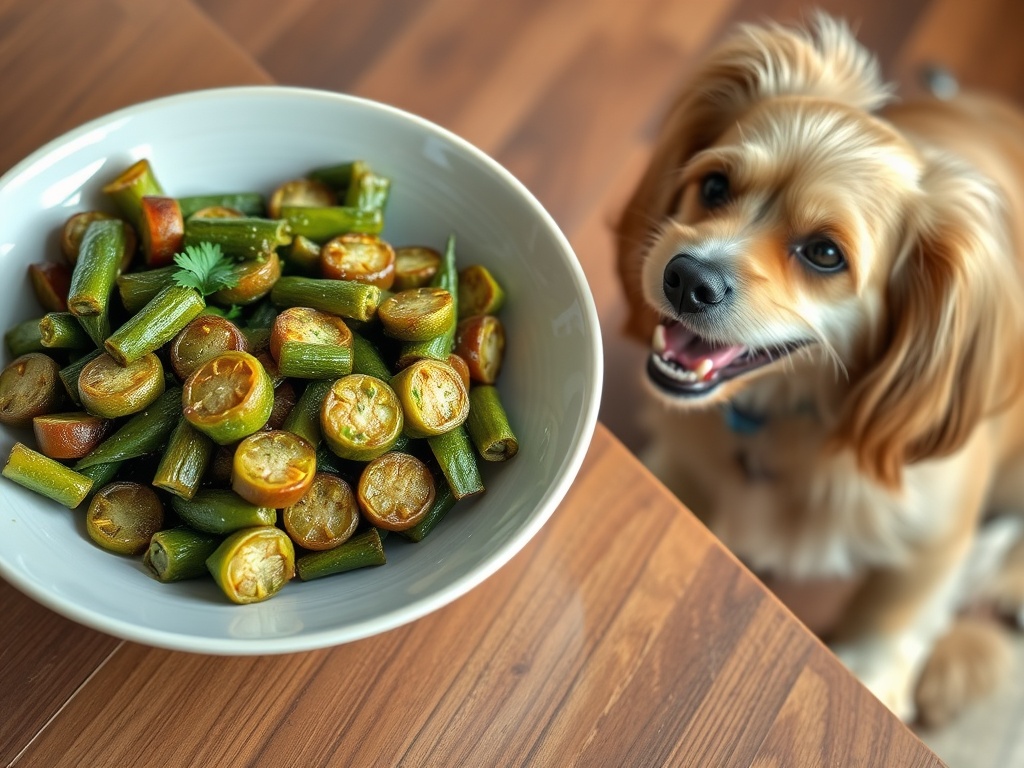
{"points": [[704, 368], [658, 343]]}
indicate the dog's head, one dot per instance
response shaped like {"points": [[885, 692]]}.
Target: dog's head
{"points": [[783, 228]]}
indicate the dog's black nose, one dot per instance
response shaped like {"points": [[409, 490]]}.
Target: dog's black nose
{"points": [[695, 286]]}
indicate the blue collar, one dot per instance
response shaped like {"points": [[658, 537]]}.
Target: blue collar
{"points": [[743, 422]]}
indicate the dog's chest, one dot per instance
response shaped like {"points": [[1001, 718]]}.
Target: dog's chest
{"points": [[781, 501]]}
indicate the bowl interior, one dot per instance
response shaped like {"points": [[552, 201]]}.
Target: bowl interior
{"points": [[252, 139]]}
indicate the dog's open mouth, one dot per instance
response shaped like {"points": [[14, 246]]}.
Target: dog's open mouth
{"points": [[684, 363]]}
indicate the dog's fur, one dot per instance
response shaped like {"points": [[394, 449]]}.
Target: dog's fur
{"points": [[884, 440]]}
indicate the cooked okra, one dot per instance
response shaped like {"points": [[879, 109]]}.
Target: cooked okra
{"points": [[110, 390], [24, 337], [454, 453], [361, 417], [29, 387], [360, 551], [144, 433], [367, 190], [246, 238], [325, 517], [344, 298], [441, 345], [161, 229], [61, 330], [270, 400], [46, 476], [487, 425], [253, 564], [69, 435], [246, 203], [99, 258], [301, 193], [122, 517], [360, 257], [322, 223], [184, 461], [155, 324], [175, 554], [130, 186], [51, 282], [221, 511]]}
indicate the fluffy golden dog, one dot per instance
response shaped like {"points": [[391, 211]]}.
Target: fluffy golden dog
{"points": [[831, 285]]}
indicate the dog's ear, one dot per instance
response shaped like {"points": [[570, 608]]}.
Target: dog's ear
{"points": [[951, 352], [757, 63]]}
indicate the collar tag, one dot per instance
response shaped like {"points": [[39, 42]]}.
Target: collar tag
{"points": [[743, 422]]}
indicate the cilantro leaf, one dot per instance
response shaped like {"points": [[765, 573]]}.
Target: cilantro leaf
{"points": [[205, 268]]}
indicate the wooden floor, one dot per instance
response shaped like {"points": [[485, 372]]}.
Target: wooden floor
{"points": [[566, 93]]}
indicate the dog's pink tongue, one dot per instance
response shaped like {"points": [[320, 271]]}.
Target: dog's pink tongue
{"points": [[695, 353]]}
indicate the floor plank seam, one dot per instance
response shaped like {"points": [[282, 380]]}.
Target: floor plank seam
{"points": [[63, 706]]}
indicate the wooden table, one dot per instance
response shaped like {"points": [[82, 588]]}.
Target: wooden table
{"points": [[624, 638]]}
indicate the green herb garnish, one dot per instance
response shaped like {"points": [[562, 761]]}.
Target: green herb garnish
{"points": [[205, 268]]}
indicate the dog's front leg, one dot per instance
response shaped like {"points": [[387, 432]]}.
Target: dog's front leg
{"points": [[889, 631]]}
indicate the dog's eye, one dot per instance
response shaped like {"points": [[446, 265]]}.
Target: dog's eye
{"points": [[822, 254], [714, 190]]}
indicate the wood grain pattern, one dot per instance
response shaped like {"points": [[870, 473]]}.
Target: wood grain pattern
{"points": [[623, 634], [65, 63], [633, 640], [44, 659]]}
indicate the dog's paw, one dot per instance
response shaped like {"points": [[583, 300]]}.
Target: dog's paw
{"points": [[966, 664], [885, 670]]}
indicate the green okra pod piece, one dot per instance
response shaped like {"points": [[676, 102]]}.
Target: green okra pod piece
{"points": [[457, 458], [221, 511], [440, 346], [303, 256], [155, 324], [366, 358], [339, 176], [176, 554], [444, 500], [138, 288], [323, 223], [61, 330], [29, 387], [46, 476], [69, 373], [128, 189], [246, 203], [246, 238], [253, 564], [23, 338], [99, 259], [145, 432], [100, 474], [368, 190], [184, 461], [362, 550], [487, 424], [345, 298], [304, 417], [97, 326], [302, 360]]}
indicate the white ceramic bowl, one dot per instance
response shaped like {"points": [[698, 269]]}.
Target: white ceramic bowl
{"points": [[252, 138]]}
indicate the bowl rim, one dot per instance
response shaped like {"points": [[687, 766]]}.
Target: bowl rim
{"points": [[419, 607]]}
